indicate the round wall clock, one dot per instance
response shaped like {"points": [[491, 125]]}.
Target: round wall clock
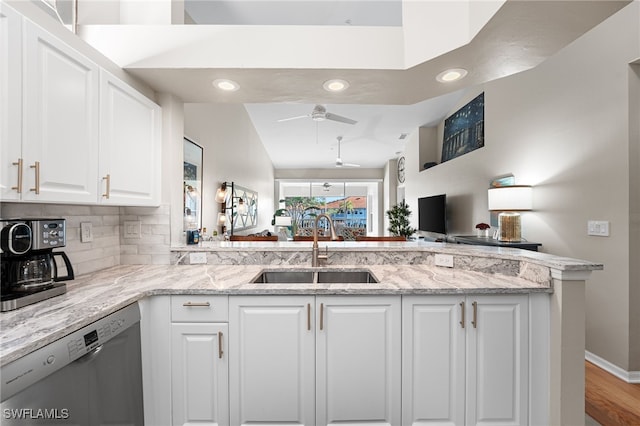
{"points": [[401, 170]]}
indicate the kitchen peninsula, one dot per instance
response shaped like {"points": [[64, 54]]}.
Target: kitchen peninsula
{"points": [[542, 294]]}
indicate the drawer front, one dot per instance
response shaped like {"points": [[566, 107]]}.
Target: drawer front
{"points": [[199, 308]]}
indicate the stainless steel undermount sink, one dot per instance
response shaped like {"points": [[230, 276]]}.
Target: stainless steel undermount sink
{"points": [[323, 276]]}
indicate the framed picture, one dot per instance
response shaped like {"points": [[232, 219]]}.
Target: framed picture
{"points": [[464, 130], [192, 183]]}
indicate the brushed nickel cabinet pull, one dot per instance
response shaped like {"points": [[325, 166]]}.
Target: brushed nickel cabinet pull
{"points": [[220, 351], [462, 310], [321, 316], [203, 304], [475, 315], [308, 316], [18, 188], [36, 166], [108, 192]]}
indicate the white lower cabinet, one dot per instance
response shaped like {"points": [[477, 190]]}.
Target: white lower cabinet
{"points": [[199, 361], [466, 360], [314, 360], [199, 374]]}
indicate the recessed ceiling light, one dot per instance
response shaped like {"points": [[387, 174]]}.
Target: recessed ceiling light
{"points": [[226, 85], [450, 75], [335, 85]]}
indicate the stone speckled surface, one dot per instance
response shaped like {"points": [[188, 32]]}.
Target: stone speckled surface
{"points": [[93, 296]]}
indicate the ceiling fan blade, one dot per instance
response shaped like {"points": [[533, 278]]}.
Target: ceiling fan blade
{"points": [[293, 118], [339, 118], [350, 165]]}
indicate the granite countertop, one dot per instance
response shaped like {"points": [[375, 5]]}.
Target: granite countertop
{"points": [[93, 296], [227, 252], [399, 267]]}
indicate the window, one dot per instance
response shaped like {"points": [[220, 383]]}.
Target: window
{"points": [[349, 204]]}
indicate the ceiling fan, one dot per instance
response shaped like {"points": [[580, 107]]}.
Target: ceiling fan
{"points": [[339, 162], [320, 113]]}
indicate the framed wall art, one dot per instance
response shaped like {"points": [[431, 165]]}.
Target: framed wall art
{"points": [[464, 130]]}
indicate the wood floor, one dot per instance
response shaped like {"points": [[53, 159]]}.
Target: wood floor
{"points": [[609, 400]]}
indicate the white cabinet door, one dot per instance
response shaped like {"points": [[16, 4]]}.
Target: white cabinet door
{"points": [[10, 102], [60, 131], [199, 374], [272, 363], [498, 360], [433, 375], [130, 144], [358, 354]]}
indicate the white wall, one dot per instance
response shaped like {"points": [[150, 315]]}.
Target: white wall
{"points": [[233, 152], [563, 127]]}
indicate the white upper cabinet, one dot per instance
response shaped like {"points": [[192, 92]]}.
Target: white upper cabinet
{"points": [[130, 144], [70, 132], [60, 131], [10, 103]]}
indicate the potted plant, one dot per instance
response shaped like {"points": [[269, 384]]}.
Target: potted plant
{"points": [[399, 220]]}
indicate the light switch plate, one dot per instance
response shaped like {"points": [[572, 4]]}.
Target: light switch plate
{"points": [[197, 258], [599, 228], [86, 232], [445, 260], [132, 229]]}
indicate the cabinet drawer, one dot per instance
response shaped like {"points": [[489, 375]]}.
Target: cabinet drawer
{"points": [[199, 308]]}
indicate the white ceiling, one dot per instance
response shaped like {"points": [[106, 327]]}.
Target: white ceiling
{"points": [[385, 102]]}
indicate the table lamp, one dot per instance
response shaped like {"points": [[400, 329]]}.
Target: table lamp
{"points": [[509, 200]]}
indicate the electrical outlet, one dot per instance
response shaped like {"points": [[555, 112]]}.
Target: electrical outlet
{"points": [[599, 228], [86, 232], [445, 260], [132, 229], [197, 258]]}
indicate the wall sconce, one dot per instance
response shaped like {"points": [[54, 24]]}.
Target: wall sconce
{"points": [[222, 193], [242, 207], [222, 219], [509, 200]]}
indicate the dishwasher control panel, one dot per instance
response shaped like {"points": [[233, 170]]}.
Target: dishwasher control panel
{"points": [[42, 362]]}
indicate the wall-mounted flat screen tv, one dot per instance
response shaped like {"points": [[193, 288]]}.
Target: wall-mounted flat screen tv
{"points": [[432, 214]]}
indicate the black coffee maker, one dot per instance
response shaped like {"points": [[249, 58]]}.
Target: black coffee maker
{"points": [[29, 269]]}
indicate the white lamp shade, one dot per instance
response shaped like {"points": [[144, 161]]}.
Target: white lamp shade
{"points": [[242, 207], [221, 195], [283, 220], [511, 198], [222, 219]]}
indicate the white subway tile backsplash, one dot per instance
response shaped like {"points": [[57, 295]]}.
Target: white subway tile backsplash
{"points": [[109, 247]]}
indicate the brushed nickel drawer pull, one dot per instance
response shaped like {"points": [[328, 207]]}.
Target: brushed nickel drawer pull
{"points": [[308, 316], [202, 304], [18, 188], [321, 316], [475, 315], [36, 166], [462, 309], [220, 351]]}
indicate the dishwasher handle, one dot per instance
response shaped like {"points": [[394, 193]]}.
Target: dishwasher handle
{"points": [[90, 356]]}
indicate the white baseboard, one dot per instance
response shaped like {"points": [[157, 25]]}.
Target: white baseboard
{"points": [[627, 376]]}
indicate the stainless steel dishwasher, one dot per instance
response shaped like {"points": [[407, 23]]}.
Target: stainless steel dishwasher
{"points": [[92, 376]]}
